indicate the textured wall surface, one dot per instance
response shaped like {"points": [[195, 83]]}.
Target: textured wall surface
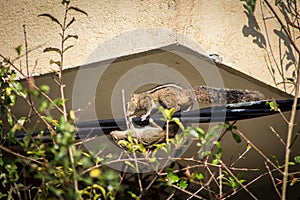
{"points": [[220, 27]]}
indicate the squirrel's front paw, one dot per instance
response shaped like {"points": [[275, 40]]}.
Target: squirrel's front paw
{"points": [[144, 117]]}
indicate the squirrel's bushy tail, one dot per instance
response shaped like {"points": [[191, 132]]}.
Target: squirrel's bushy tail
{"points": [[206, 94]]}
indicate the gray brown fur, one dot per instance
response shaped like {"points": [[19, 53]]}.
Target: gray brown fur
{"points": [[174, 96], [147, 135]]}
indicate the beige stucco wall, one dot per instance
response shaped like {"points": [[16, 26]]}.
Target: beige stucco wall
{"points": [[219, 27]]}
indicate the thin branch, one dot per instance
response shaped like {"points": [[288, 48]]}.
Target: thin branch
{"points": [[211, 174], [201, 188], [236, 179], [27, 79], [278, 136], [61, 85], [294, 107], [290, 134], [258, 150], [246, 185], [187, 192], [26, 51], [22, 156], [241, 156], [283, 26], [294, 140], [272, 179], [220, 183], [75, 179]]}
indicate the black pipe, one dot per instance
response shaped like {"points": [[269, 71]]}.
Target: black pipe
{"points": [[229, 112]]}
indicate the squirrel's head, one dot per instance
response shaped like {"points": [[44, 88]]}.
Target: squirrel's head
{"points": [[133, 104]]}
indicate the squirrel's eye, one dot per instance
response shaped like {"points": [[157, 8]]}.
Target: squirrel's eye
{"points": [[115, 138]]}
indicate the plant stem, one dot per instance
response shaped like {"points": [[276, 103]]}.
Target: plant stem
{"points": [[290, 134], [167, 131], [22, 156], [294, 107], [70, 149], [61, 85], [33, 84]]}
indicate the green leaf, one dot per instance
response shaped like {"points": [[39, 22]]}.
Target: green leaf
{"points": [[10, 119], [12, 99], [199, 176], [297, 159], [178, 122], [69, 47], [77, 10], [19, 49], [236, 137], [193, 133], [57, 101], [172, 178], [277, 2], [215, 161], [291, 163], [273, 105], [183, 184], [71, 22], [133, 195], [21, 121], [130, 164], [291, 80], [200, 131], [58, 63], [51, 17], [45, 88], [71, 36], [170, 112], [65, 2], [250, 5], [49, 49], [43, 106]]}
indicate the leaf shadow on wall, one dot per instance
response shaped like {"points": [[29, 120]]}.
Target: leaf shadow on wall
{"points": [[252, 29]]}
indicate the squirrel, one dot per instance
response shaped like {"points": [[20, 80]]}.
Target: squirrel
{"points": [[146, 135], [174, 96]]}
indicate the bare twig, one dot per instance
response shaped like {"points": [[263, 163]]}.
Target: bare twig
{"points": [[293, 112], [248, 184], [220, 183], [201, 188], [278, 136], [171, 195], [290, 134], [26, 51], [272, 179], [61, 85], [258, 150], [242, 155], [187, 192], [282, 26], [22, 156], [295, 138], [211, 173], [236, 179], [75, 179]]}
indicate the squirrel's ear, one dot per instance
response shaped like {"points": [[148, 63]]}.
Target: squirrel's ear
{"points": [[134, 96]]}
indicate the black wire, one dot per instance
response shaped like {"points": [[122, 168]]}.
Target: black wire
{"points": [[229, 112]]}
